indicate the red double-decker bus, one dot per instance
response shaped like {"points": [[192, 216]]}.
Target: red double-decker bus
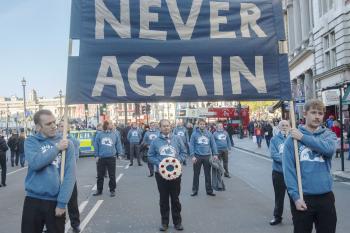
{"points": [[231, 115]]}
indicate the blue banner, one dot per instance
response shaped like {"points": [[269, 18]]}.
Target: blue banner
{"points": [[177, 50]]}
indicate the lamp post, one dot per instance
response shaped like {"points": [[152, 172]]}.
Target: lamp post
{"points": [[24, 82], [7, 120], [60, 93]]}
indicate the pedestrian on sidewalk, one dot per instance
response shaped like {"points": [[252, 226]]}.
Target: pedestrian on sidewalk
{"points": [[268, 133], [21, 139], [223, 144], [73, 209], [107, 145], [202, 147], [13, 144], [168, 145], [46, 197], [276, 151], [181, 131], [258, 134], [134, 138], [316, 147], [3, 149]]}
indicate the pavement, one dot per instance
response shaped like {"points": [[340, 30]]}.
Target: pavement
{"points": [[247, 144]]}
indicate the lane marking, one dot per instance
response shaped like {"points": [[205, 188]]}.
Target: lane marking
{"points": [[116, 180], [81, 209], [90, 215], [346, 183], [252, 154], [120, 166], [127, 166], [10, 173]]}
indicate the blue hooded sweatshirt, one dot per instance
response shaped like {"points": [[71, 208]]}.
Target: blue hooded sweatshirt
{"points": [[163, 147], [315, 152], [44, 164], [134, 136], [183, 133], [276, 151], [202, 143], [107, 144], [222, 140], [149, 136]]}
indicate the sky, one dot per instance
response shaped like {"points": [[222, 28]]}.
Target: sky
{"points": [[33, 44]]}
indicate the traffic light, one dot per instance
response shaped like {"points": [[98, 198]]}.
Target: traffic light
{"points": [[148, 108], [143, 109], [137, 109]]}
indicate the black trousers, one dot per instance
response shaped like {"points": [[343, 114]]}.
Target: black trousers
{"points": [[280, 191], [104, 164], [14, 158], [223, 156], [169, 188], [135, 152], [207, 173], [73, 209], [37, 213], [3, 167], [268, 139], [320, 211]]}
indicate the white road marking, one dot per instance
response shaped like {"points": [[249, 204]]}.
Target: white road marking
{"points": [[346, 183], [116, 180], [252, 154], [90, 215], [16, 171], [127, 166], [120, 166], [81, 209]]}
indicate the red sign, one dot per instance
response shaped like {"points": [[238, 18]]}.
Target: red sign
{"points": [[223, 112]]}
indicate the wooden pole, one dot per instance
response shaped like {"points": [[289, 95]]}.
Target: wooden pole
{"points": [[296, 153], [65, 130]]}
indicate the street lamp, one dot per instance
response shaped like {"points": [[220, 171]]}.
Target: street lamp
{"points": [[24, 82], [60, 93]]}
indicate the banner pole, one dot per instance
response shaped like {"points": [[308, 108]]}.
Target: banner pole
{"points": [[296, 153], [65, 130]]}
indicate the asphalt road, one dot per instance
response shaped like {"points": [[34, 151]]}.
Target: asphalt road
{"points": [[245, 207]]}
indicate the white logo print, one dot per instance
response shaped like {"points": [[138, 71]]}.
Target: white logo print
{"points": [[45, 148], [181, 133], [221, 136], [203, 140], [106, 141], [152, 136], [307, 155], [134, 133], [167, 150], [57, 161], [281, 148]]}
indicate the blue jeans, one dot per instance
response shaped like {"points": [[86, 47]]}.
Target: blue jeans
{"points": [[258, 140], [21, 159]]}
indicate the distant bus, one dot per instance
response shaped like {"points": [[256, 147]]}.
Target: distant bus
{"points": [[85, 138]]}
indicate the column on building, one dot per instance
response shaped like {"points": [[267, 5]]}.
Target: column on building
{"points": [[297, 23], [309, 85], [291, 36], [305, 19]]}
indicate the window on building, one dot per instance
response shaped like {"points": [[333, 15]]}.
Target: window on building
{"points": [[324, 6], [329, 48], [129, 106]]}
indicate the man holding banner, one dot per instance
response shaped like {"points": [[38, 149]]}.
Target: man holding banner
{"points": [[316, 147]]}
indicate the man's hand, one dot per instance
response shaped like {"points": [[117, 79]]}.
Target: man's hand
{"points": [[194, 160], [59, 212], [300, 205], [62, 145], [295, 133]]}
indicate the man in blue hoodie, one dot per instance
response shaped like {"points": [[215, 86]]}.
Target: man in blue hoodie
{"points": [[107, 145], [316, 146], [148, 138], [168, 145], [223, 143], [202, 147], [134, 138], [46, 197], [276, 151], [181, 131]]}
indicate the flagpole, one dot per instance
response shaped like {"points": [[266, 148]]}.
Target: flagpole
{"points": [[296, 152], [65, 121]]}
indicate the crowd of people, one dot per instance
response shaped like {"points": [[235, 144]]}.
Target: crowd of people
{"points": [[202, 144]]}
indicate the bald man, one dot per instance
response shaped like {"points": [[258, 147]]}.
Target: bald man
{"points": [[276, 151]]}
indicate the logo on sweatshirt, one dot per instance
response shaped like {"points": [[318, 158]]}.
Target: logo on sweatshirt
{"points": [[152, 136], [203, 140], [134, 134], [57, 161], [167, 150], [281, 148], [45, 148], [106, 141], [222, 136], [180, 133], [307, 155]]}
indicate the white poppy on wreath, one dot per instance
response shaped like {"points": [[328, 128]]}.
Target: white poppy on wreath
{"points": [[170, 168]]}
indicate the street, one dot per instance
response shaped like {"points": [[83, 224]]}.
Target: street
{"points": [[245, 207]]}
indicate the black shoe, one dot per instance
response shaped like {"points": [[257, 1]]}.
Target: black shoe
{"points": [[275, 221], [211, 194], [112, 194], [140, 164], [163, 227], [76, 229], [179, 227], [227, 175], [194, 194], [98, 193], [0, 185], [150, 175], [130, 164], [4, 185]]}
